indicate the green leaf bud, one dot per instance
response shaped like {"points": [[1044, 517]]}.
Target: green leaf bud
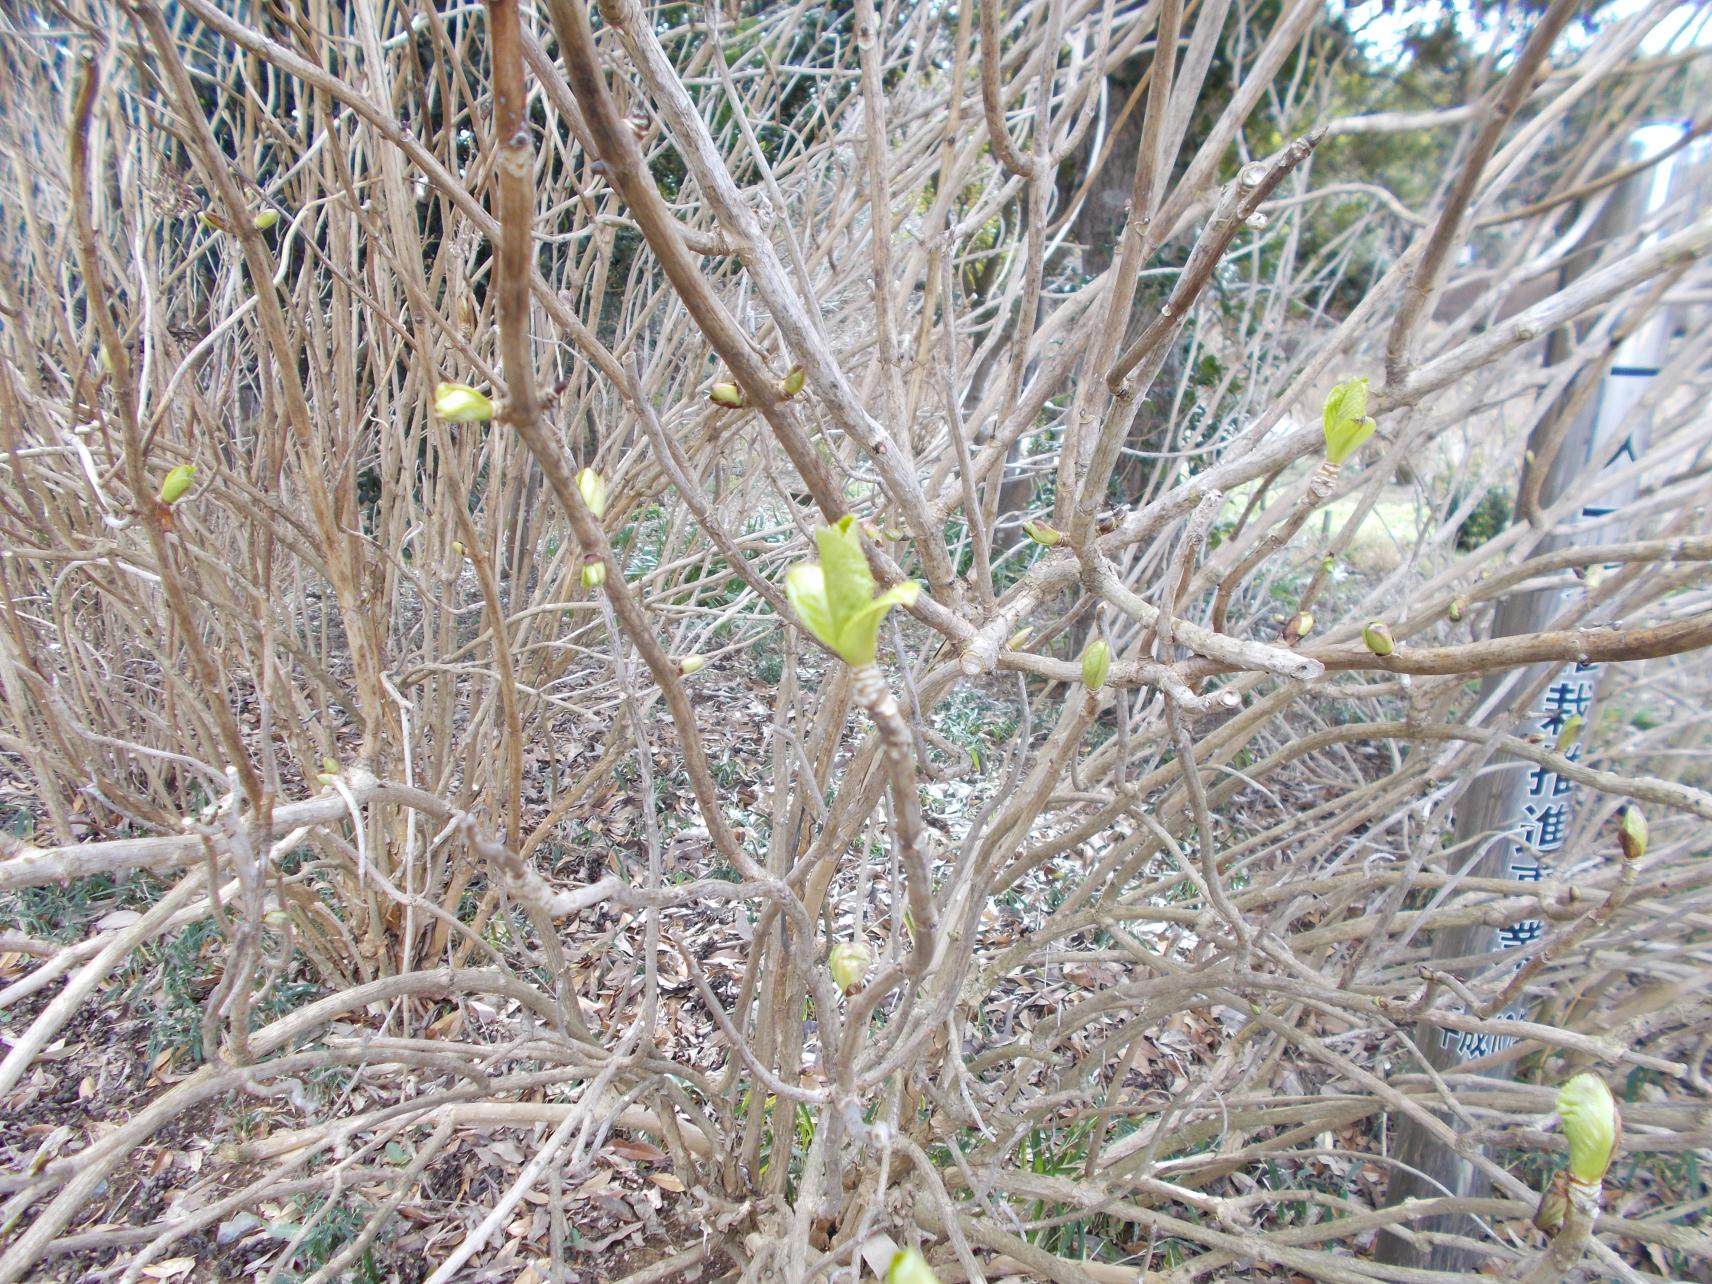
{"points": [[458, 403], [910, 1267], [1096, 664], [176, 483], [1592, 1124], [1458, 605], [728, 395], [266, 219], [1346, 421], [1378, 639], [691, 664], [594, 575], [1632, 832], [1042, 533], [592, 487], [1567, 733], [792, 382], [848, 962], [1019, 639]]}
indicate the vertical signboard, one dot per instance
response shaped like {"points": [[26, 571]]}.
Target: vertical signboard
{"points": [[1512, 823]]}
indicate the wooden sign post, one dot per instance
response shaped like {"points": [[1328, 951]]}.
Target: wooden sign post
{"points": [[1511, 822]]}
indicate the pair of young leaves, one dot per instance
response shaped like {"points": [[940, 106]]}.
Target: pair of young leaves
{"points": [[834, 598]]}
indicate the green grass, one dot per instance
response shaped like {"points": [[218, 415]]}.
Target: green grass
{"points": [[1063, 1152], [171, 979], [61, 912], [333, 1227]]}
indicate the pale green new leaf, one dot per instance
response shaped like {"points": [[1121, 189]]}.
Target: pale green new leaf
{"points": [[835, 600], [1346, 401], [849, 582], [805, 588], [859, 637], [1346, 421]]}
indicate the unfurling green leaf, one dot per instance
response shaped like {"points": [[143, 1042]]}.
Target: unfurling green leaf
{"points": [[910, 1267], [1096, 664], [176, 482], [1567, 733], [1346, 421], [1378, 639], [1632, 832], [1042, 533], [848, 963], [834, 598], [1592, 1124], [805, 588], [792, 382], [592, 487], [458, 403]]}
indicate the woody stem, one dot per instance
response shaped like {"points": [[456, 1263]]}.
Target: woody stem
{"points": [[875, 697]]}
